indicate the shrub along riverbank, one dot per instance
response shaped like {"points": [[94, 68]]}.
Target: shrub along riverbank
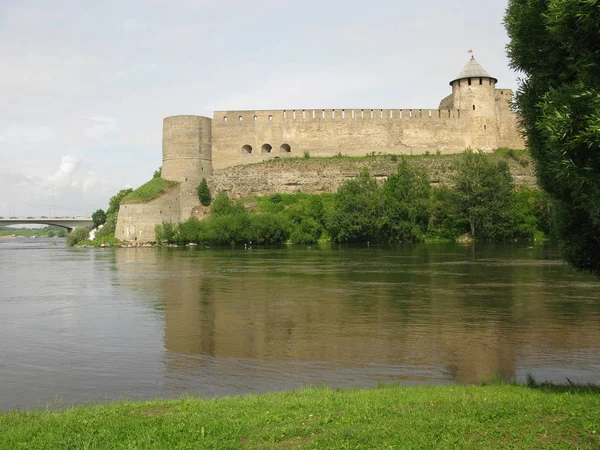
{"points": [[482, 203], [494, 416]]}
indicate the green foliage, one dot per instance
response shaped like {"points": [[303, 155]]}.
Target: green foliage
{"points": [[268, 229], [149, 191], [483, 195], [115, 201], [165, 232], [357, 212], [204, 193], [556, 45], [99, 217], [49, 231], [78, 235], [405, 208], [157, 173], [406, 205], [531, 214], [223, 205]]}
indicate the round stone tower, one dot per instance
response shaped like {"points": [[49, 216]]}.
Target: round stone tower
{"points": [[474, 94], [187, 148]]}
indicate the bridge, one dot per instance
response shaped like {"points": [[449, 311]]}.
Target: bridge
{"points": [[64, 222]]}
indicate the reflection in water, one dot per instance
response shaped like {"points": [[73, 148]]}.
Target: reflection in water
{"points": [[86, 325], [433, 313]]}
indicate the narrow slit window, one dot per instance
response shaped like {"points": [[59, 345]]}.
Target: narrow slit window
{"points": [[469, 82]]}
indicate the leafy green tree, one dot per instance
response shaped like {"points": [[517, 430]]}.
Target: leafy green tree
{"points": [[556, 45], [483, 195], [356, 215], [204, 193], [406, 205], [99, 217], [157, 173]]}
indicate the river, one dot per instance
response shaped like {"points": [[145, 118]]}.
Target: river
{"points": [[80, 326]]}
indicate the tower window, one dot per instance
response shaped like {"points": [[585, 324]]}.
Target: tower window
{"points": [[224, 118], [255, 117], [270, 117], [473, 107], [469, 82], [480, 80]]}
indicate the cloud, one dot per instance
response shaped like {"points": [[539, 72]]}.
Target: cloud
{"points": [[62, 177]]}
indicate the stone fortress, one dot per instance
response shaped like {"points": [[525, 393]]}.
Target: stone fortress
{"points": [[475, 115]]}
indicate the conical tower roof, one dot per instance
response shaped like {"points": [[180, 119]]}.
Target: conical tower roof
{"points": [[473, 70]]}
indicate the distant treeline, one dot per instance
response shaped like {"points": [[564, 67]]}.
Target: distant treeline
{"points": [[50, 231], [482, 203]]}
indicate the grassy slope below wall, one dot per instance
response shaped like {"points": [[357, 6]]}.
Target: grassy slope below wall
{"points": [[150, 190], [315, 175], [495, 416]]}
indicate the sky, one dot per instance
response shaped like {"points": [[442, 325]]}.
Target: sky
{"points": [[84, 85]]}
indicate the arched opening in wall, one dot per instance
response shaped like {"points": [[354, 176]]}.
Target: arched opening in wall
{"points": [[255, 117], [224, 118], [247, 149], [241, 118], [266, 148], [270, 117], [285, 148]]}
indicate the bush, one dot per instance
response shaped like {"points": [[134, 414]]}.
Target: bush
{"points": [[78, 235], [268, 229]]}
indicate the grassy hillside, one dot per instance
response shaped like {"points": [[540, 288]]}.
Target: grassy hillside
{"points": [[150, 190]]}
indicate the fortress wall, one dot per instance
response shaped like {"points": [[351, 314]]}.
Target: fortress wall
{"points": [[244, 137], [136, 221], [509, 134]]}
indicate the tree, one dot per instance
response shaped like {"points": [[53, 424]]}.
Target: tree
{"points": [[406, 204], [356, 215], [204, 193], [556, 45], [157, 173], [99, 217], [483, 195]]}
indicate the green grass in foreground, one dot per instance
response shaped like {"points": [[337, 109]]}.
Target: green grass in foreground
{"points": [[494, 416], [149, 191]]}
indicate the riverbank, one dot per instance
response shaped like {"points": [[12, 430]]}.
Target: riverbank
{"points": [[493, 416]]}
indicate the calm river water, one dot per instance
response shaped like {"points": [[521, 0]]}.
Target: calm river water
{"points": [[84, 325]]}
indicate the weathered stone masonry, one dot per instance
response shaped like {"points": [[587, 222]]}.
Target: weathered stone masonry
{"points": [[475, 115]]}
